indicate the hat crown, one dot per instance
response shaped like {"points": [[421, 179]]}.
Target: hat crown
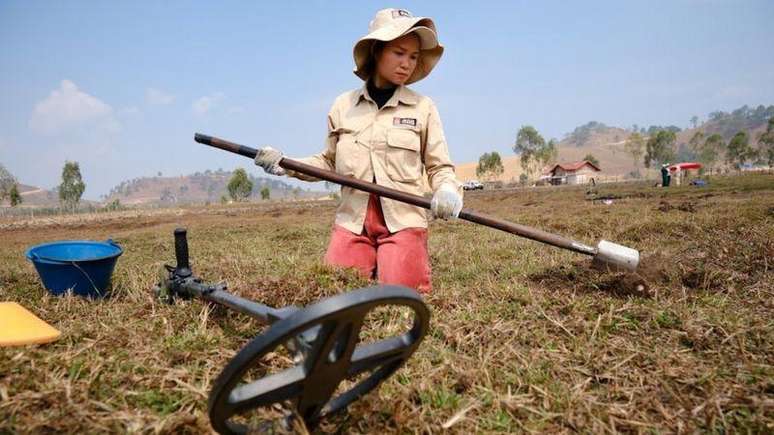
{"points": [[386, 17]]}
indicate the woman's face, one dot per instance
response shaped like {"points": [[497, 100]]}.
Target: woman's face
{"points": [[397, 61]]}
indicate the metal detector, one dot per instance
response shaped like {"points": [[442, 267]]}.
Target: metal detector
{"points": [[324, 339]]}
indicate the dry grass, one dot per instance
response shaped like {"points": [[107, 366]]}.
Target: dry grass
{"points": [[523, 338]]}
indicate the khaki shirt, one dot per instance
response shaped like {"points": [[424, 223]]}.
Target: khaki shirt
{"points": [[401, 146]]}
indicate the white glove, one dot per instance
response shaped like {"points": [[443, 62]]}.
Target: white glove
{"points": [[268, 158], [446, 202]]}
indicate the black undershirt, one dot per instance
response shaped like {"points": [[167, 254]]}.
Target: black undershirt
{"points": [[380, 96]]}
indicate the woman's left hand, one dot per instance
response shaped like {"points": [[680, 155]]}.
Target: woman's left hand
{"points": [[446, 202]]}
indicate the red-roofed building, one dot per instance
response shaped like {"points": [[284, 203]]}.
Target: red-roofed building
{"points": [[573, 173]]}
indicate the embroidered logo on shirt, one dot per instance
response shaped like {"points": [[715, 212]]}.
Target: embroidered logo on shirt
{"points": [[400, 13], [404, 121]]}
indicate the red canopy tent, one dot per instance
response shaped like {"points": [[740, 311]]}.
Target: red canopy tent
{"points": [[684, 166]]}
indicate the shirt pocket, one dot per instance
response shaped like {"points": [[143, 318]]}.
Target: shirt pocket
{"points": [[346, 151], [403, 155]]}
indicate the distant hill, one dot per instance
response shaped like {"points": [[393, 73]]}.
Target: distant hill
{"points": [[744, 118], [200, 187], [36, 197], [33, 196], [607, 143]]}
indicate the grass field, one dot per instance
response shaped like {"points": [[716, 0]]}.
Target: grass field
{"points": [[523, 337]]}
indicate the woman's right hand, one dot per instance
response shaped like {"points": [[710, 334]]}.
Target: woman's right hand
{"points": [[268, 158]]}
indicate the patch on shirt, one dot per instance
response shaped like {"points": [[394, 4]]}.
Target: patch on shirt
{"points": [[400, 13], [404, 121]]}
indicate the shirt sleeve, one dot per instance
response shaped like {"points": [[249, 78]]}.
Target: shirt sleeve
{"points": [[438, 164], [327, 158]]}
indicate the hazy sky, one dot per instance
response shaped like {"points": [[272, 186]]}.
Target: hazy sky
{"points": [[121, 87]]}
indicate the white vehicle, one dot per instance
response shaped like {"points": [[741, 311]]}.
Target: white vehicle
{"points": [[473, 185]]}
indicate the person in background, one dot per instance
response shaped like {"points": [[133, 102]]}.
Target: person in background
{"points": [[386, 133], [665, 176]]}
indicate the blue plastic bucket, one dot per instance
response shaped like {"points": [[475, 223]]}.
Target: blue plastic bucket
{"points": [[84, 266]]}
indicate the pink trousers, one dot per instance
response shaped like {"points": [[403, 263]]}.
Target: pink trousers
{"points": [[394, 258]]}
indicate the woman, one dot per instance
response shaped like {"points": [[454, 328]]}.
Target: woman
{"points": [[388, 134]]}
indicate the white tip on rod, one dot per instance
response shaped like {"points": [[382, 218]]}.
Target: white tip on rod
{"points": [[614, 256]]}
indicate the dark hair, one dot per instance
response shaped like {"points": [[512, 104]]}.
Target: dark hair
{"points": [[376, 49]]}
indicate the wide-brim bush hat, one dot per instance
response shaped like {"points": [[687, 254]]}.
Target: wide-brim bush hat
{"points": [[390, 24]]}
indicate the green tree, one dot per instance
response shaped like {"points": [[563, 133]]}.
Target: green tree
{"points": [[696, 142], [766, 141], [265, 193], [739, 150], [490, 165], [695, 121], [7, 181], [635, 147], [696, 146], [590, 157], [72, 186], [14, 196], [113, 205], [549, 153], [709, 151], [529, 144], [239, 186], [660, 148], [685, 153]]}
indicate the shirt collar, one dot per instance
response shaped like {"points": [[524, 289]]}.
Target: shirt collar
{"points": [[402, 94]]}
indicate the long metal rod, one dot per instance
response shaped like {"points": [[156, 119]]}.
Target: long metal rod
{"points": [[386, 192], [264, 314], [214, 293]]}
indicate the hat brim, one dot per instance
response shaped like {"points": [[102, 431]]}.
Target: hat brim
{"points": [[427, 37], [430, 49]]}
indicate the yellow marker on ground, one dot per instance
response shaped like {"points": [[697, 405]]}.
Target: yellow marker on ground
{"points": [[18, 326]]}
